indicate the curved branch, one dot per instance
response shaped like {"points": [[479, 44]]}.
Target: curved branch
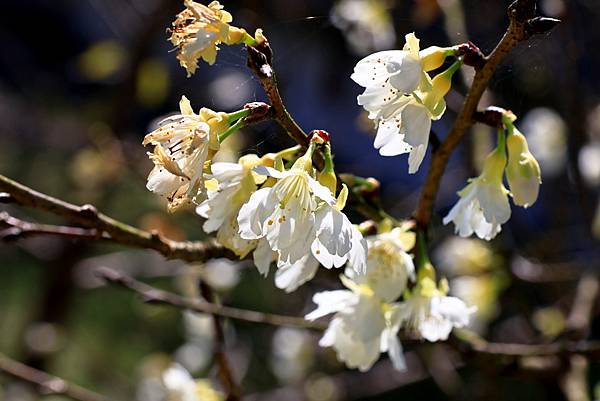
{"points": [[155, 295], [471, 341], [108, 228], [48, 384]]}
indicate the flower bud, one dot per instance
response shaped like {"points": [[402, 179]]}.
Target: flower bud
{"points": [[523, 171], [328, 180], [433, 57]]}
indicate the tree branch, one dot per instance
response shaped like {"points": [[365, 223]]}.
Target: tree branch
{"points": [[260, 61], [155, 295], [233, 390], [473, 342], [48, 384], [12, 229], [107, 227], [521, 15]]}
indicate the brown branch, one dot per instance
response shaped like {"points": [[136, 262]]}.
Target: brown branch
{"points": [[260, 61], [470, 341], [12, 229], [155, 295], [233, 390], [109, 228], [48, 384], [521, 15]]}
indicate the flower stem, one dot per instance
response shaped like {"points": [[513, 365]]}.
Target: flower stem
{"points": [[239, 124], [249, 40], [286, 153], [328, 168], [236, 115], [422, 258]]}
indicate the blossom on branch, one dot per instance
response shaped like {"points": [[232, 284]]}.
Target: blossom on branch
{"points": [[181, 386], [183, 143], [366, 320], [229, 187], [401, 97], [523, 171], [430, 313], [198, 30], [483, 205], [301, 220]]}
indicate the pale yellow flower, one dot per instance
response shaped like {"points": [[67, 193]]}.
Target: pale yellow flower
{"points": [[183, 144], [198, 30]]}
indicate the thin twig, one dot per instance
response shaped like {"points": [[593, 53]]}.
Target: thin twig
{"points": [[233, 390], [15, 228], [111, 229], [521, 13], [155, 295], [48, 384], [469, 341], [260, 61], [473, 342]]}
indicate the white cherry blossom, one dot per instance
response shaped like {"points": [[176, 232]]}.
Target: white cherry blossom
{"points": [[180, 385], [366, 320], [230, 186], [301, 221], [483, 205], [182, 144], [401, 97], [522, 171], [432, 314]]}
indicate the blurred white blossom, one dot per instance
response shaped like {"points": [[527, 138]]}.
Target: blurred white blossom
{"points": [[547, 138], [367, 24], [483, 205], [292, 354], [589, 163]]}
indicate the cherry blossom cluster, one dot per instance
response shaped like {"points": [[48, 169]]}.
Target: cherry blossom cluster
{"points": [[286, 212]]}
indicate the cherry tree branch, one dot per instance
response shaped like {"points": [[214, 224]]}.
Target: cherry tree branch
{"points": [[233, 390], [154, 295], [47, 383], [523, 24], [12, 228], [472, 342], [101, 226]]}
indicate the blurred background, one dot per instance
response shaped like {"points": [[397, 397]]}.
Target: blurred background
{"points": [[81, 83]]}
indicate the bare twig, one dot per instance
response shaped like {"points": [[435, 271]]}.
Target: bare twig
{"points": [[109, 228], [48, 384], [477, 344], [233, 390], [521, 13], [12, 228], [155, 295]]}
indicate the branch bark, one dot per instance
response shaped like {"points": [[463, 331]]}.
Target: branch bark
{"points": [[49, 384], [155, 295], [108, 228]]}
